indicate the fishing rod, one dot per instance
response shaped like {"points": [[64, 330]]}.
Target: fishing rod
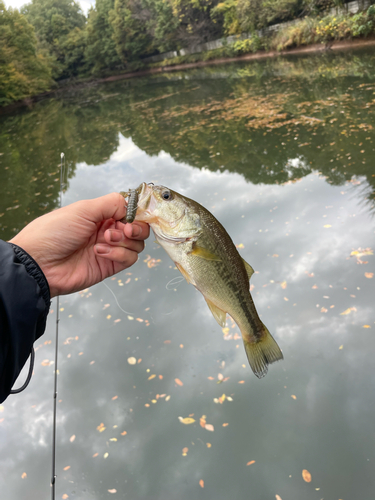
{"points": [[53, 477]]}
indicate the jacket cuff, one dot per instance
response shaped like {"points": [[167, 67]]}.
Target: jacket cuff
{"points": [[34, 271]]}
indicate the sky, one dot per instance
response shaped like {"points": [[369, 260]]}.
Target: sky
{"points": [[85, 4]]}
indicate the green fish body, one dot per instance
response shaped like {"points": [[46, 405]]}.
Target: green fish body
{"points": [[206, 256]]}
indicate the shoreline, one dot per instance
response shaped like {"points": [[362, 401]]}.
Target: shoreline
{"points": [[314, 48]]}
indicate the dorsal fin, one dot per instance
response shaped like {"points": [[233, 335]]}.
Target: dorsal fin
{"points": [[249, 269]]}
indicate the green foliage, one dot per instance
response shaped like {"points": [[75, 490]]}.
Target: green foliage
{"points": [[23, 72], [129, 33], [227, 10], [252, 44], [101, 54], [54, 21]]}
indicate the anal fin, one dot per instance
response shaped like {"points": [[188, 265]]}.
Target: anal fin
{"points": [[218, 314]]}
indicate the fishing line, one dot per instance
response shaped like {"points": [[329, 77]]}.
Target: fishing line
{"points": [[174, 282], [53, 477], [123, 310]]}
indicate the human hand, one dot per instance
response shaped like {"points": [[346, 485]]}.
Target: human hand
{"points": [[83, 243]]}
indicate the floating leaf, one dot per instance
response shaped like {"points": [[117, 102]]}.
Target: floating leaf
{"points": [[369, 275], [201, 483], [306, 476], [186, 420], [184, 451], [278, 497], [114, 397], [225, 425], [65, 496], [101, 427], [123, 433], [72, 438], [178, 381], [95, 455], [251, 462], [348, 311], [151, 377], [112, 491], [209, 427], [293, 396], [132, 361], [366, 326], [67, 467], [283, 285], [24, 475], [106, 455]]}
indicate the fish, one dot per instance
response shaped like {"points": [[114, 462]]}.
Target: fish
{"points": [[206, 256]]}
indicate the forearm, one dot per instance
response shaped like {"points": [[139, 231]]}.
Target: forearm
{"points": [[24, 305]]}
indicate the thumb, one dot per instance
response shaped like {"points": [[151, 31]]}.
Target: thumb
{"points": [[110, 206]]}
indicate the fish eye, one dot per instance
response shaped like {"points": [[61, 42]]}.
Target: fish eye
{"points": [[166, 194]]}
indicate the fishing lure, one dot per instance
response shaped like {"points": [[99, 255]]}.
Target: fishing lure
{"points": [[131, 210]]}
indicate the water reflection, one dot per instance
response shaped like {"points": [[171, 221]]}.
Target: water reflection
{"points": [[297, 217]]}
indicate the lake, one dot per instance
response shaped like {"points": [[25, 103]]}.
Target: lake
{"points": [[282, 153]]}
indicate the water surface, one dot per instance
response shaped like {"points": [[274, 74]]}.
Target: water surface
{"points": [[282, 152]]}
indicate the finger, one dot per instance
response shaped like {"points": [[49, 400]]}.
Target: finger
{"points": [[137, 230], [110, 206], [117, 239], [121, 255]]}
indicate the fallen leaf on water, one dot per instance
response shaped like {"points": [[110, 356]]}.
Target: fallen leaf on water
{"points": [[251, 462], [114, 397], [123, 433], [283, 285], [225, 425], [369, 275], [366, 326], [186, 420], [306, 476], [241, 382], [112, 491], [65, 496], [106, 455], [184, 451], [209, 427], [293, 396], [151, 377], [341, 347], [178, 381], [24, 475], [95, 455], [132, 361], [101, 427], [278, 497], [348, 311], [168, 398], [327, 225], [67, 467], [208, 445], [201, 483], [72, 438], [46, 362], [113, 439], [202, 421]]}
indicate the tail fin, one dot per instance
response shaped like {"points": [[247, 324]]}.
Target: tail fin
{"points": [[262, 353]]}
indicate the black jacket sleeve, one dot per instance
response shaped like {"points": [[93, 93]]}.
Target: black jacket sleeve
{"points": [[24, 305]]}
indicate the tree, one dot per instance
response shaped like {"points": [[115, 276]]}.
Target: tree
{"points": [[129, 29], [23, 72], [100, 53], [56, 23]]}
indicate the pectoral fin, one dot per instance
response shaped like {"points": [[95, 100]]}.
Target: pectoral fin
{"points": [[218, 314], [204, 253], [184, 273], [249, 269]]}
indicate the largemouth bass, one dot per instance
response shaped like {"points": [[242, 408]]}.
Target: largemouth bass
{"points": [[208, 259]]}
